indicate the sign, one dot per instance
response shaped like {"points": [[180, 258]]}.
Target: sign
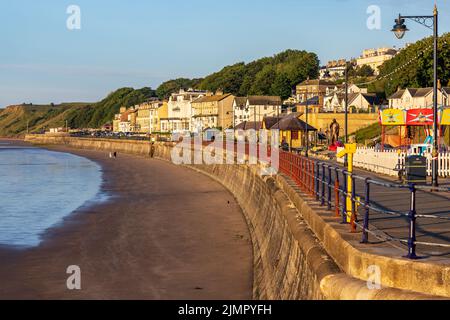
{"points": [[392, 117], [445, 118], [419, 117]]}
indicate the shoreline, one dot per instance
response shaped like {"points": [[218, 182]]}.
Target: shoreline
{"points": [[156, 237]]}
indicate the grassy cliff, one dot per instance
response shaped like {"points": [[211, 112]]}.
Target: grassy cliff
{"points": [[14, 119]]}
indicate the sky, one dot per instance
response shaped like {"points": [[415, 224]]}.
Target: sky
{"points": [[137, 43]]}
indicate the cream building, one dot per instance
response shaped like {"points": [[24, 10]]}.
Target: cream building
{"points": [[263, 106], [213, 112], [416, 98], [255, 108], [374, 58], [148, 120]]}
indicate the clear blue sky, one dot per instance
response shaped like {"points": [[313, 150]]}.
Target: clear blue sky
{"points": [[144, 42]]}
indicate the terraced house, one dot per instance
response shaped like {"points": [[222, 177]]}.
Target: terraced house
{"points": [[213, 112], [148, 116], [255, 108], [413, 98], [180, 111]]}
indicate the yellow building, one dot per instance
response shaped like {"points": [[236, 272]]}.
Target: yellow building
{"points": [[314, 92], [162, 113], [116, 123], [148, 119], [213, 112], [293, 131]]}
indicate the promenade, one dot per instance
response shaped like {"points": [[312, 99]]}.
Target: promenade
{"points": [[386, 229]]}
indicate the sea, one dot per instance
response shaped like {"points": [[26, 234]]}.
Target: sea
{"points": [[39, 188]]}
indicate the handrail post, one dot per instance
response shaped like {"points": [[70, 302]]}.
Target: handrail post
{"points": [[329, 188], [344, 199], [412, 224], [337, 193], [353, 217], [322, 200], [311, 163], [365, 235], [317, 181], [302, 172]]}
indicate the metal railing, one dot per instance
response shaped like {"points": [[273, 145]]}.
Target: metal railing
{"points": [[323, 181]]}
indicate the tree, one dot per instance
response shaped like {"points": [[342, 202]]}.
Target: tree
{"points": [[263, 81], [256, 77], [364, 71], [281, 86], [413, 66], [171, 86]]}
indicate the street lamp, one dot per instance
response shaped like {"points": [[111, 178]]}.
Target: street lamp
{"points": [[400, 28], [431, 22]]}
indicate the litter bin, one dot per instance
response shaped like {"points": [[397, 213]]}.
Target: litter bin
{"points": [[416, 169]]}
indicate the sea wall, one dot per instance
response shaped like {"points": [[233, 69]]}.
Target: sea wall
{"points": [[291, 261]]}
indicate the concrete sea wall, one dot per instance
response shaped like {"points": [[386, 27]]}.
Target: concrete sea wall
{"points": [[291, 261]]}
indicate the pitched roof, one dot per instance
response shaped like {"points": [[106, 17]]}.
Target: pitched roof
{"points": [[292, 122], [269, 122], [264, 100], [240, 101], [247, 125], [446, 90], [415, 93], [212, 98], [311, 101], [422, 92], [371, 98], [397, 95]]}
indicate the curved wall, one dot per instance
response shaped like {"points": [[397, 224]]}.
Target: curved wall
{"points": [[290, 262]]}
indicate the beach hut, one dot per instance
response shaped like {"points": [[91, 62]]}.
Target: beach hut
{"points": [[293, 131]]}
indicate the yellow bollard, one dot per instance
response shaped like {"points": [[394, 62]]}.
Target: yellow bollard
{"points": [[349, 151]]}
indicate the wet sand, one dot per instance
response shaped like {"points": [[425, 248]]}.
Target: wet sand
{"points": [[166, 232]]}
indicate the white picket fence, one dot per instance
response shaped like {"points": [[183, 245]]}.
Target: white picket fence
{"points": [[385, 162]]}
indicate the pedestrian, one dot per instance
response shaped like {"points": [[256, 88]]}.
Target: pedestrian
{"points": [[115, 155], [110, 155]]}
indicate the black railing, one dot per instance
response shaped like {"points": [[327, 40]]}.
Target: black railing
{"points": [[327, 177]]}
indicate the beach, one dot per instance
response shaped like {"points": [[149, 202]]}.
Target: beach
{"points": [[163, 232]]}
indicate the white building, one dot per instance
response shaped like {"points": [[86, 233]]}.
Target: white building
{"points": [[416, 98], [358, 99], [374, 58], [240, 110], [255, 108], [180, 111], [260, 107], [333, 70]]}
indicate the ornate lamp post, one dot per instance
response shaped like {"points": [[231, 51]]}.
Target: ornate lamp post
{"points": [[431, 22]]}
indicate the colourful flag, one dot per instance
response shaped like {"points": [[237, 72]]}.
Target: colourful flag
{"points": [[393, 117], [445, 118], [419, 117]]}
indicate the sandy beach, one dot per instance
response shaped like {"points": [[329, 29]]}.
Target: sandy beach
{"points": [[165, 232]]}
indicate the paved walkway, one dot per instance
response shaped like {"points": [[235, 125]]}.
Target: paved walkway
{"points": [[428, 229]]}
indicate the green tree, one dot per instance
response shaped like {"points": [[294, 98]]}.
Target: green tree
{"points": [[263, 81], [413, 66], [364, 71], [281, 86], [171, 86]]}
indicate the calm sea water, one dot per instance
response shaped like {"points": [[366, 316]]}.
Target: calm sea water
{"points": [[38, 188]]}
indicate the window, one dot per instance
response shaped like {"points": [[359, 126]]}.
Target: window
{"points": [[294, 135]]}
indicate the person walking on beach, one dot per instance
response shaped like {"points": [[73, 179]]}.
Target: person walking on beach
{"points": [[115, 155]]}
